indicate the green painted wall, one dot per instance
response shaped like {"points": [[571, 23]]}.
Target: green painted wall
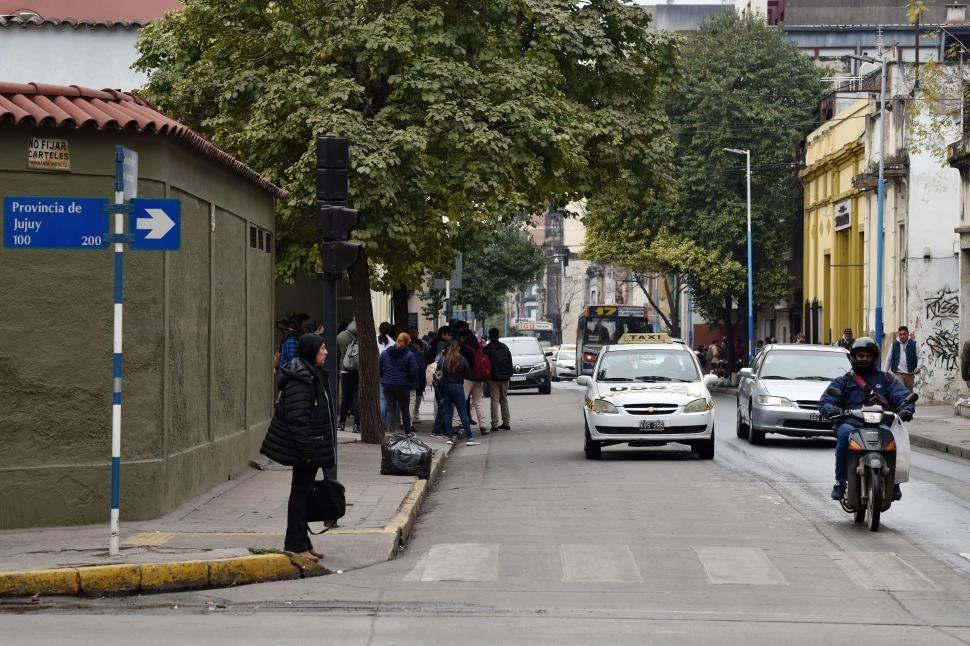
{"points": [[198, 336]]}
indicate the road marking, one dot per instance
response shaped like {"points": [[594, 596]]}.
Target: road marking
{"points": [[881, 571], [582, 563], [739, 565], [458, 562], [149, 538]]}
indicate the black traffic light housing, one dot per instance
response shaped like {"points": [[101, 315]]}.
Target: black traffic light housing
{"points": [[334, 219]]}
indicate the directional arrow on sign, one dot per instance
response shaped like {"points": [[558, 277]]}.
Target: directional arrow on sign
{"points": [[157, 223]]}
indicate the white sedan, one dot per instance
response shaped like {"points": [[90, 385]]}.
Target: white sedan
{"points": [[648, 390]]}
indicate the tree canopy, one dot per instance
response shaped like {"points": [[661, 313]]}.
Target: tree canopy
{"points": [[470, 109], [742, 85], [508, 262]]}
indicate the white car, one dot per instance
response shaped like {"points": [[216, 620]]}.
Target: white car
{"points": [[648, 390]]}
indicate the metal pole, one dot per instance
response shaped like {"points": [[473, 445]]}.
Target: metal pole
{"points": [[880, 205], [333, 368], [747, 154], [119, 229]]}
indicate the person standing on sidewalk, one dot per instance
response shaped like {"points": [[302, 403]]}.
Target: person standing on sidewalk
{"points": [[301, 435], [469, 347], [905, 359], [498, 385], [965, 363], [454, 372], [349, 374], [847, 339], [399, 374], [418, 349]]}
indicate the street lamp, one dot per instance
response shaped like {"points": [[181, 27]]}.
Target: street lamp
{"points": [[747, 158], [881, 190]]}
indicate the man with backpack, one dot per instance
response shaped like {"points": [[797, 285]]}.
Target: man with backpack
{"points": [[348, 358], [498, 383]]}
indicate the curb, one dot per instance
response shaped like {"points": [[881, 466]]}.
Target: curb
{"points": [[122, 579], [154, 577], [936, 445], [407, 513]]}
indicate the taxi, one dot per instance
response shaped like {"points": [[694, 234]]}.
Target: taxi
{"points": [[648, 390]]}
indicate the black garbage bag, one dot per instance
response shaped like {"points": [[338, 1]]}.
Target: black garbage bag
{"points": [[402, 454]]}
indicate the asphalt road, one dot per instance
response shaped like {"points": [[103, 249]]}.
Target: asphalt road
{"points": [[527, 542]]}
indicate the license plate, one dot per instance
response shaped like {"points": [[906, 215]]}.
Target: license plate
{"points": [[518, 377], [646, 425], [815, 417]]}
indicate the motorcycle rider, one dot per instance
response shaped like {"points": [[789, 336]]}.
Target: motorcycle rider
{"points": [[864, 385]]}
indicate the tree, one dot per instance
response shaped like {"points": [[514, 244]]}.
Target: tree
{"points": [[509, 262], [468, 111], [742, 85]]}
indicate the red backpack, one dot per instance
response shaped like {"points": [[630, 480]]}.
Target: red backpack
{"points": [[483, 365]]}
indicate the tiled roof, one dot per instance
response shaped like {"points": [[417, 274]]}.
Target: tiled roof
{"points": [[112, 12], [77, 107], [33, 20]]}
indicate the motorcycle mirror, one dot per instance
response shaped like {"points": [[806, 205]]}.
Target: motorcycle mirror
{"points": [[832, 391]]}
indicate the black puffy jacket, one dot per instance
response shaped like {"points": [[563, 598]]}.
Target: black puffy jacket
{"points": [[302, 425]]}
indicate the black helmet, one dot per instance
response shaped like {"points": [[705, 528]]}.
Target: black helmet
{"points": [[867, 344]]}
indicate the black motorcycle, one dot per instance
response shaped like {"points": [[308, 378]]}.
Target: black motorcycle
{"points": [[871, 459]]}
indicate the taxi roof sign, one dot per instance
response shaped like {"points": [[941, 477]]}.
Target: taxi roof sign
{"points": [[645, 337]]}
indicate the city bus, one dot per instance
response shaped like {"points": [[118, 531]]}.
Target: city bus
{"points": [[601, 325], [541, 330]]}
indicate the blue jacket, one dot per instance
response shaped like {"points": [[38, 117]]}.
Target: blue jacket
{"points": [[853, 396], [398, 367]]}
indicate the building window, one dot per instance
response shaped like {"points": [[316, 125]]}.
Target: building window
{"points": [[260, 239]]}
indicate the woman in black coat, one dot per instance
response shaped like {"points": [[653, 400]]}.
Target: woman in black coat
{"points": [[301, 434]]}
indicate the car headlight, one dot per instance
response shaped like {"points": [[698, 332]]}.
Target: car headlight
{"points": [[604, 407], [697, 406], [771, 400], [539, 366]]}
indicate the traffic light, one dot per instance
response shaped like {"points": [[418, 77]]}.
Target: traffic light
{"points": [[334, 219]]}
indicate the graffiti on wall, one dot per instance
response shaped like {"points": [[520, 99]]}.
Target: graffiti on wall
{"points": [[938, 332]]}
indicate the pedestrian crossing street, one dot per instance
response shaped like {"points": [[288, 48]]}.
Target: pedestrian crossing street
{"points": [[717, 565]]}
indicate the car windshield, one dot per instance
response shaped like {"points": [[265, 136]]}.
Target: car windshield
{"points": [[822, 365], [651, 365], [519, 345], [566, 356]]}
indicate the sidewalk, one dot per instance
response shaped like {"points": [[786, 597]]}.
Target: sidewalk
{"points": [[935, 426], [231, 535]]}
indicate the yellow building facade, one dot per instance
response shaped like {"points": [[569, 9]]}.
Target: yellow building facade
{"points": [[834, 227]]}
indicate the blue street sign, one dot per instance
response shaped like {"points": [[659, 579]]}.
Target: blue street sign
{"points": [[156, 224], [54, 223]]}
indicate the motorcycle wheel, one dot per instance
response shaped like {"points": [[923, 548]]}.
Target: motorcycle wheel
{"points": [[874, 502]]}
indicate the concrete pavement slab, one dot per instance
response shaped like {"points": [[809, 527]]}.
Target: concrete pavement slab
{"points": [[231, 535]]}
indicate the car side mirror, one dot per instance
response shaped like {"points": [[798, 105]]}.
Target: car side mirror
{"points": [[583, 380], [710, 380], [548, 353], [832, 391], [745, 372]]}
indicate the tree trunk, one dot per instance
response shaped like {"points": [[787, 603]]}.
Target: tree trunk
{"points": [[400, 307], [673, 299], [371, 428], [729, 334]]}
